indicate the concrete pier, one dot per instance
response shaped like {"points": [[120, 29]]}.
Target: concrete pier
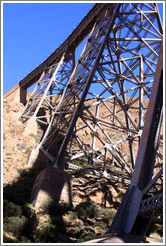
{"points": [[16, 94], [52, 183]]}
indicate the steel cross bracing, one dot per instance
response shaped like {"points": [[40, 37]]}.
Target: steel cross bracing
{"points": [[152, 208], [49, 88], [123, 79], [98, 121], [146, 183]]}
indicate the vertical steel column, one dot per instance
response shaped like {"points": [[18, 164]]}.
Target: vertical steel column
{"points": [[143, 171]]}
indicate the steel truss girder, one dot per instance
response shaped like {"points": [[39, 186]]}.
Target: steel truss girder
{"points": [[151, 209], [151, 203], [116, 176]]}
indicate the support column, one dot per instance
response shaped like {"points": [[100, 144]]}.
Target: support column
{"points": [[54, 184], [16, 95], [126, 216], [31, 127]]}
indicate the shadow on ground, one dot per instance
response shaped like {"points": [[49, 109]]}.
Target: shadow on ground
{"points": [[21, 222], [24, 224]]}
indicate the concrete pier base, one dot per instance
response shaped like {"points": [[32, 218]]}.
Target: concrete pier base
{"points": [[38, 159], [33, 157], [52, 183], [16, 95], [30, 127]]}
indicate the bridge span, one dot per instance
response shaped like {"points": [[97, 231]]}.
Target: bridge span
{"points": [[103, 113]]}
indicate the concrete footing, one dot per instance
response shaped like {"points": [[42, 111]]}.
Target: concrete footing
{"points": [[52, 183], [38, 159], [31, 127], [33, 157], [16, 95]]}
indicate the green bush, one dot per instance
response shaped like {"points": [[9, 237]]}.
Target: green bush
{"points": [[10, 209], [21, 146], [31, 224], [4, 136], [72, 215], [86, 235], [120, 195], [107, 215], [101, 226], [15, 225], [8, 154], [46, 234], [19, 220], [52, 207], [157, 228], [75, 227], [79, 224], [28, 150], [21, 120], [87, 210], [20, 171], [24, 239]]}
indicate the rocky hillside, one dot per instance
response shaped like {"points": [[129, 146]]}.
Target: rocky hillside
{"points": [[17, 144], [95, 200]]}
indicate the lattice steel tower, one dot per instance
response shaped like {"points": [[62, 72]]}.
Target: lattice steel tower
{"points": [[120, 72]]}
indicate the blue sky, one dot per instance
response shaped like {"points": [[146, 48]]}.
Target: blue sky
{"points": [[32, 31]]}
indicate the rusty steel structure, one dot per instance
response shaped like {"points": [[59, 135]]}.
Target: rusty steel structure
{"points": [[103, 113]]}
